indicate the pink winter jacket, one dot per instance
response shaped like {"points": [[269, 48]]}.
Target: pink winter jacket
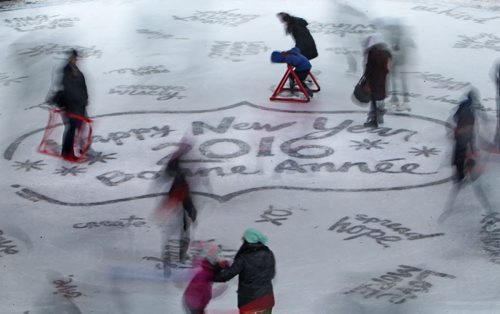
{"points": [[199, 291]]}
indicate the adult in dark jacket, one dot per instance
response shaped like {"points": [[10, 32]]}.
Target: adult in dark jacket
{"points": [[297, 27], [465, 154], [179, 198], [377, 66], [74, 101], [464, 135], [255, 265]]}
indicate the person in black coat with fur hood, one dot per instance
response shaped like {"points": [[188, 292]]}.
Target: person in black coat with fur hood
{"points": [[378, 61], [73, 100], [303, 39], [255, 265]]}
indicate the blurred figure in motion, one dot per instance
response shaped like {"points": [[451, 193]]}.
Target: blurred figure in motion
{"points": [[495, 77], [299, 62], [256, 267], [378, 60], [72, 98], [465, 153], [176, 212], [199, 292], [297, 27], [347, 13], [401, 44]]}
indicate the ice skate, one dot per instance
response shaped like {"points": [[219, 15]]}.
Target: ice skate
{"points": [[370, 124], [380, 116], [400, 107], [394, 100]]}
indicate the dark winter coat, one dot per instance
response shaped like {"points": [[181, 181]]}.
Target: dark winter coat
{"points": [[303, 38], [179, 193], [292, 57], [74, 90], [199, 291], [377, 68], [464, 133], [255, 265]]}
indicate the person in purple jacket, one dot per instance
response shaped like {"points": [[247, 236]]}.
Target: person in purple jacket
{"points": [[199, 292], [298, 61]]}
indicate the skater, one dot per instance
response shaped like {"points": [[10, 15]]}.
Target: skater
{"points": [[297, 27], [176, 212], [401, 45], [495, 77], [73, 99], [465, 154], [378, 60], [296, 59], [255, 265], [199, 292]]}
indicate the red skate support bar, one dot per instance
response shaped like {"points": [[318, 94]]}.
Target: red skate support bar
{"points": [[42, 148], [281, 87]]}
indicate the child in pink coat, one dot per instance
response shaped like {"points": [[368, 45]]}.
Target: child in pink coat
{"points": [[199, 291]]}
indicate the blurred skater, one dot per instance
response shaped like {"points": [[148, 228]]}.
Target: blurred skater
{"points": [[73, 100], [255, 265], [297, 27], [495, 77], [346, 12], [466, 155], [299, 62], [176, 211], [378, 59], [400, 44], [199, 292]]}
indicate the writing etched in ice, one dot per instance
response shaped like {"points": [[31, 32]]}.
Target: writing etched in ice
{"points": [[144, 70], [341, 29], [454, 13], [392, 285], [275, 215], [490, 236], [42, 21], [236, 50], [7, 246], [480, 41], [227, 18], [440, 81], [120, 223], [6, 80], [344, 51], [162, 92], [63, 287], [378, 235], [154, 34], [56, 49]]}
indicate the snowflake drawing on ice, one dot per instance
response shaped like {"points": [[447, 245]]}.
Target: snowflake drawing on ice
{"points": [[75, 170], [427, 152], [96, 157], [28, 165], [367, 144]]}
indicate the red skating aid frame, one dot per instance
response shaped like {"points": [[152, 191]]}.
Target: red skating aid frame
{"points": [[51, 125], [281, 88]]}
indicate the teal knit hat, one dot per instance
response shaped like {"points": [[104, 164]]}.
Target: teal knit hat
{"points": [[252, 235]]}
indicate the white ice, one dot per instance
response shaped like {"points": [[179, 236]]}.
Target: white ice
{"points": [[211, 62]]}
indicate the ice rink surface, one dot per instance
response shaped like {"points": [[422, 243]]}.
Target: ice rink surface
{"points": [[351, 212]]}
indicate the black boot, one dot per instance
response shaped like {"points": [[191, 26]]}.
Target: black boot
{"points": [[291, 81], [371, 124]]}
